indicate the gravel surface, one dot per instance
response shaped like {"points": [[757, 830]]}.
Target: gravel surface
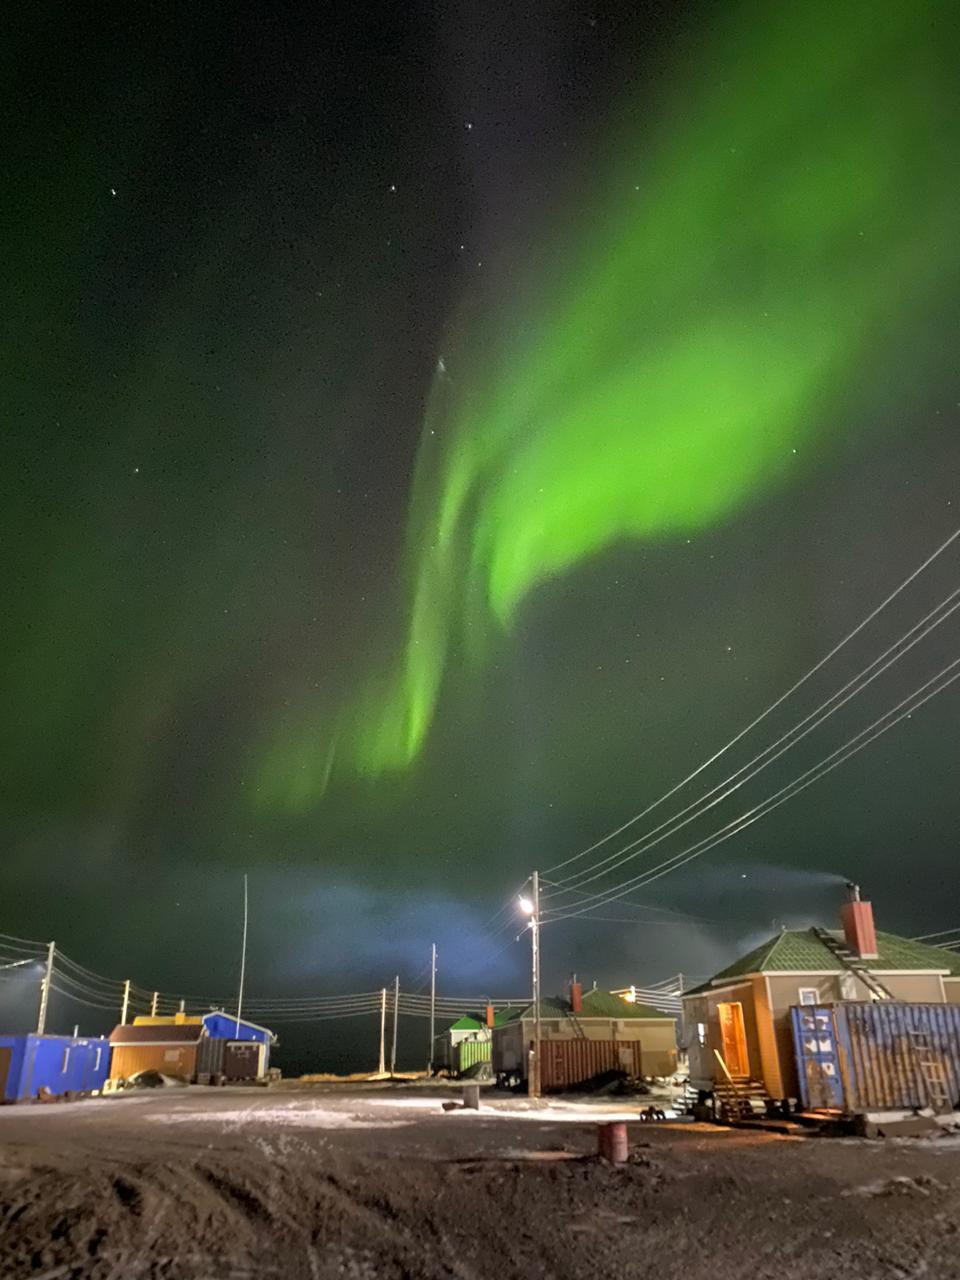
{"points": [[381, 1182]]}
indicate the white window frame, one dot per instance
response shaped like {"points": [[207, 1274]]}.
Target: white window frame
{"points": [[804, 992]]}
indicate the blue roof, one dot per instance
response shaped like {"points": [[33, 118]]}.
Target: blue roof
{"points": [[224, 1026]]}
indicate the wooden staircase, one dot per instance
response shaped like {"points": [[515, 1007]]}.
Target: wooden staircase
{"points": [[854, 964], [736, 1100], [734, 1096]]}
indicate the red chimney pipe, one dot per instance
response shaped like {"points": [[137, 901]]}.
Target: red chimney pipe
{"points": [[489, 1015], [576, 997], [858, 928]]}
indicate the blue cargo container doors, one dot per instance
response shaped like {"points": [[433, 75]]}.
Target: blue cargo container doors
{"points": [[818, 1058], [878, 1055]]}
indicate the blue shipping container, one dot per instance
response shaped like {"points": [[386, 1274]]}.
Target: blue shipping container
{"points": [[878, 1055], [61, 1064]]}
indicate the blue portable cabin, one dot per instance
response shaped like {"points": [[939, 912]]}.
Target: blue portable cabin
{"points": [[246, 1048], [59, 1064]]}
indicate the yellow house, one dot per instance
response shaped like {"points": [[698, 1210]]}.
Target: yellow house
{"points": [[742, 1014]]}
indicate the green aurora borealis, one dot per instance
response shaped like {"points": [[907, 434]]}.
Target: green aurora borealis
{"points": [[431, 431], [718, 302]]}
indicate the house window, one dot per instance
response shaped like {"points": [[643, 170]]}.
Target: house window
{"points": [[702, 1034], [809, 995]]}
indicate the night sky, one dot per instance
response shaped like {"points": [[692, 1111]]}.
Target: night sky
{"points": [[431, 431]]}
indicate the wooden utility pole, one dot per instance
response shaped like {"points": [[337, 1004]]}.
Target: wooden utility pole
{"points": [[45, 989], [382, 1067], [433, 1005], [124, 1008], [153, 1004], [533, 1085], [396, 1009]]}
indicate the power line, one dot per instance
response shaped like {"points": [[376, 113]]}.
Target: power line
{"points": [[747, 772], [766, 712], [855, 744]]}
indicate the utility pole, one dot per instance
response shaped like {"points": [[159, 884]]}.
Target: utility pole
{"points": [[153, 1004], [396, 1007], [243, 958], [533, 1086], [45, 990], [382, 1067], [126, 1002], [433, 1005]]}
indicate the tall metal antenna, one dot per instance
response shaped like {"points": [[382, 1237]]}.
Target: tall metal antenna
{"points": [[243, 958]]}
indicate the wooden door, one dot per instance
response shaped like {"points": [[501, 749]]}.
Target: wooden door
{"points": [[241, 1060], [734, 1038]]}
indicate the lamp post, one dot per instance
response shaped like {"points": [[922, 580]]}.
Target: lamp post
{"points": [[531, 907]]}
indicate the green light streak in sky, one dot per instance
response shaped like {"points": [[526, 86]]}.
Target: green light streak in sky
{"points": [[713, 316]]}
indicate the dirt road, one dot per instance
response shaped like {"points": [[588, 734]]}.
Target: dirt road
{"points": [[328, 1182]]}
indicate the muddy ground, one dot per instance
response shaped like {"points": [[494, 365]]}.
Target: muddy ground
{"points": [[382, 1183]]}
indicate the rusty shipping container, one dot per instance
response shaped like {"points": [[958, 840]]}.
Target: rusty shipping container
{"points": [[878, 1055], [569, 1062]]}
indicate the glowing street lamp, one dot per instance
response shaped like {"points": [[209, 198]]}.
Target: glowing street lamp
{"points": [[526, 905]]}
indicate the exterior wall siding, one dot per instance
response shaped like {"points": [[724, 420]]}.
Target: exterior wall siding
{"points": [[170, 1059]]}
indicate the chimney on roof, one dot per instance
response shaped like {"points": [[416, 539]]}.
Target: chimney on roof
{"points": [[489, 1015], [576, 995], [858, 930]]}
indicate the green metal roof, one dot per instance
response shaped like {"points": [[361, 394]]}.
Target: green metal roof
{"points": [[801, 951], [469, 1022], [477, 1021], [596, 1004]]}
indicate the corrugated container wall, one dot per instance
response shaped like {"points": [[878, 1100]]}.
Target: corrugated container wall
{"points": [[871, 1056], [59, 1064], [473, 1051], [568, 1062]]}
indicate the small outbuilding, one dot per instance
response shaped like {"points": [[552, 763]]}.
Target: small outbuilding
{"points": [[197, 1048], [583, 1037], [467, 1041], [55, 1065]]}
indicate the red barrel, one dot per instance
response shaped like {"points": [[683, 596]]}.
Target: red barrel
{"points": [[612, 1141]]}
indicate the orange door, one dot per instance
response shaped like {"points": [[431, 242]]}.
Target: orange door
{"points": [[734, 1038]]}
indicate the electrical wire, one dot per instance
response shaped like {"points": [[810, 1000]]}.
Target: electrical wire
{"points": [[853, 745], [791, 738], [765, 713]]}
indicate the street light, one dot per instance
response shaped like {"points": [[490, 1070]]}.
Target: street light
{"points": [[531, 907]]}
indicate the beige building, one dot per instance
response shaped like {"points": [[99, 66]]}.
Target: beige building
{"points": [[743, 1012], [585, 1036]]}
